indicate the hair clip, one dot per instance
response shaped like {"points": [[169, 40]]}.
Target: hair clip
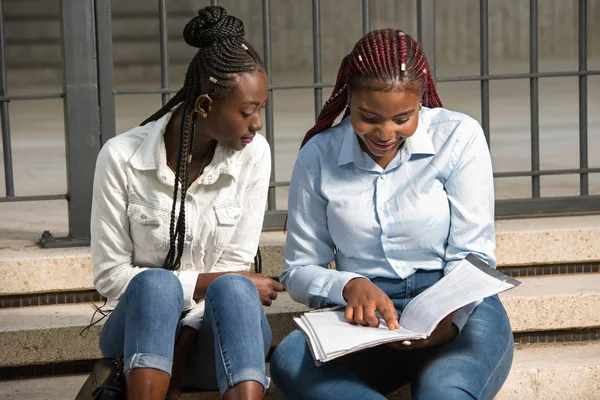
{"points": [[190, 159], [403, 67], [213, 80], [244, 47], [359, 58], [402, 34], [424, 70]]}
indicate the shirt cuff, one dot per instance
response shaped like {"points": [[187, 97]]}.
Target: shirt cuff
{"points": [[194, 318], [188, 281], [462, 316], [336, 295]]}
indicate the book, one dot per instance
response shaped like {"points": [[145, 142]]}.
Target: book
{"points": [[329, 336]]}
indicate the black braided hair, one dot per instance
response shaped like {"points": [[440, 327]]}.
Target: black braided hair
{"points": [[222, 54]]}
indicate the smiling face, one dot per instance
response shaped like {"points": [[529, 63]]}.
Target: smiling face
{"points": [[234, 120], [383, 120]]}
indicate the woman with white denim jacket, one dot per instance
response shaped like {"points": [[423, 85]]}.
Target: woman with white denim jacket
{"points": [[178, 206]]}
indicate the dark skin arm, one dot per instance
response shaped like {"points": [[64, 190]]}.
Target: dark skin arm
{"points": [[365, 299]]}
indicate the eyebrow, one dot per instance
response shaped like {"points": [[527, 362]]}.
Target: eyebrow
{"points": [[402, 114]]}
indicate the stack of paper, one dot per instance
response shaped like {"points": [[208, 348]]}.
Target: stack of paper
{"points": [[330, 336]]}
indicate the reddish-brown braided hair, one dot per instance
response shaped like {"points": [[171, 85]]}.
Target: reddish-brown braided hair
{"points": [[376, 63]]}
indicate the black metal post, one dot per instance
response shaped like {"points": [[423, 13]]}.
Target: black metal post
{"points": [[485, 68], [426, 30], [583, 114], [164, 50], [106, 98], [266, 13], [366, 16], [9, 183], [82, 121], [534, 97], [317, 73]]}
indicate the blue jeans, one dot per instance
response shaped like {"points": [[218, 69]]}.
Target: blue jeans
{"points": [[233, 343], [472, 366]]}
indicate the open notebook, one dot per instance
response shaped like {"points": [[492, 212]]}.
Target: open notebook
{"points": [[330, 336]]}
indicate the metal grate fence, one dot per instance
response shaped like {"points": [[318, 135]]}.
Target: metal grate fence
{"points": [[90, 105]]}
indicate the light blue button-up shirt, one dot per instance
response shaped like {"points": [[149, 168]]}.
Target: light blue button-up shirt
{"points": [[429, 208]]}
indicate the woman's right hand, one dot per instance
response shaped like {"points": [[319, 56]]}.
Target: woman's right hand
{"points": [[364, 299], [267, 287]]}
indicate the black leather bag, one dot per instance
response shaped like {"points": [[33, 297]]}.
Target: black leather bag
{"points": [[106, 382]]}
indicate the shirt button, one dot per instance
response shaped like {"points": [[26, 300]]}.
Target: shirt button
{"points": [[189, 197], [188, 266], [143, 217], [188, 238], [381, 176], [164, 178]]}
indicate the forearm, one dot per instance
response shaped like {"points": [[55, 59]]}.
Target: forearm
{"points": [[184, 347]]}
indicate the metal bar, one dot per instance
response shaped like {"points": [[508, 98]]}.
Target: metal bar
{"points": [[9, 183], [534, 97], [106, 79], [266, 14], [33, 198], [274, 220], [32, 96], [516, 76], [82, 120], [548, 206], [546, 172], [426, 30], [317, 72], [279, 184], [366, 16], [485, 68], [164, 49], [583, 114], [214, 2]]}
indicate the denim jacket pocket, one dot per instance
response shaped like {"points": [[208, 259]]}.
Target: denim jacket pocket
{"points": [[148, 226], [227, 216]]}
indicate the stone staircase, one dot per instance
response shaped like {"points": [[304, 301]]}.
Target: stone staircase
{"points": [[45, 303]]}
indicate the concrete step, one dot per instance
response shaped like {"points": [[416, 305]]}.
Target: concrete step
{"points": [[549, 372], [50, 334]]}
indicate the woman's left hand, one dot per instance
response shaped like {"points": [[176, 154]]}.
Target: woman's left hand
{"points": [[444, 332]]}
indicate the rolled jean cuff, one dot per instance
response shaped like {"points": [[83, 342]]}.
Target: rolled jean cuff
{"points": [[141, 360], [248, 374]]}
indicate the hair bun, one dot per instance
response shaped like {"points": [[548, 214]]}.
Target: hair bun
{"points": [[212, 24]]}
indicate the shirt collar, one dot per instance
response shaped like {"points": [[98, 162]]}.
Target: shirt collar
{"points": [[152, 154], [419, 143]]}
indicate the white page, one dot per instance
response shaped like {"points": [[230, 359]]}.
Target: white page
{"points": [[331, 335], [465, 284]]}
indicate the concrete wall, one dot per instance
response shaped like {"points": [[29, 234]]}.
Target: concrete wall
{"points": [[33, 35]]}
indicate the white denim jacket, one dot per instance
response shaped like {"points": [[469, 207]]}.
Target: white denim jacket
{"points": [[131, 208]]}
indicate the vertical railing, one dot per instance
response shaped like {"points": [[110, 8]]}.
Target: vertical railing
{"points": [[269, 120], [9, 183], [426, 30], [534, 97], [366, 16], [164, 50], [82, 117], [317, 69], [583, 117], [104, 52], [484, 68]]}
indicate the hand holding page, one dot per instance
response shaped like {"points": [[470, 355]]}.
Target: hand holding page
{"points": [[330, 336]]}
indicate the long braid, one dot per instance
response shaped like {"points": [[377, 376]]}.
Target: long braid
{"points": [[222, 54], [376, 62]]}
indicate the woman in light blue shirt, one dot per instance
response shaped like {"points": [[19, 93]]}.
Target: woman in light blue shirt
{"points": [[399, 192]]}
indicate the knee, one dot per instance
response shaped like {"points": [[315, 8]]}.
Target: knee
{"points": [[159, 283], [232, 287], [288, 359]]}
